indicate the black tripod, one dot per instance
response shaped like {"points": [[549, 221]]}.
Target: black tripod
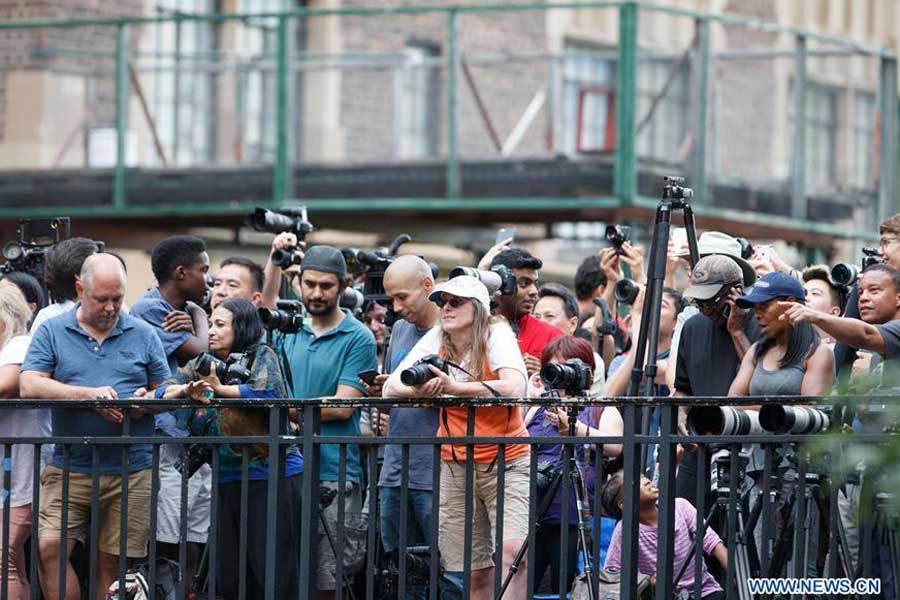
{"points": [[583, 508], [637, 420]]}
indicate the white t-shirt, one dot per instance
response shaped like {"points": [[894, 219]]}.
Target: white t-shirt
{"points": [[21, 422], [502, 352], [49, 312]]}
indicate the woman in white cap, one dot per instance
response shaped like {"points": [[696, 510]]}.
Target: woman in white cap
{"points": [[481, 359]]}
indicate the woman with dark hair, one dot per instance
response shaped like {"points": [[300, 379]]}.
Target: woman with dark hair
{"points": [[235, 328], [554, 422], [789, 360]]}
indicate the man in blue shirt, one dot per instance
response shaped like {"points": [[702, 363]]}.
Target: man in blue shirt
{"points": [[94, 351], [323, 360], [180, 264]]}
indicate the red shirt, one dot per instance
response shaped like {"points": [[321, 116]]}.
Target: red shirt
{"points": [[534, 334]]}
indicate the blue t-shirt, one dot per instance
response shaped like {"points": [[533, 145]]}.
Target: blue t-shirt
{"points": [[408, 422], [152, 308], [317, 366], [129, 358]]}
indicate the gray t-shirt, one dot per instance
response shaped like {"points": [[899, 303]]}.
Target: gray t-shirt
{"points": [[408, 422], [890, 376]]}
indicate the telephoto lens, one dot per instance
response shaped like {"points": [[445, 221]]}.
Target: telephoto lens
{"points": [[797, 420], [722, 420], [573, 376], [844, 274], [285, 321], [287, 257]]}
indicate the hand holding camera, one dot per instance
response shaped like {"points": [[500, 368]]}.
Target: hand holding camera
{"points": [[737, 317]]}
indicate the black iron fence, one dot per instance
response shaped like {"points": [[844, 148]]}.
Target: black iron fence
{"points": [[778, 506]]}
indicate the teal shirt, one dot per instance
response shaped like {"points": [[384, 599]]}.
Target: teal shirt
{"points": [[317, 366]]}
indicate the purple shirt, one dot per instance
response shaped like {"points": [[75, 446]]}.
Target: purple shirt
{"points": [[648, 537]]}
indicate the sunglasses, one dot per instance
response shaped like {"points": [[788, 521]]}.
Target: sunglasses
{"points": [[453, 302]]}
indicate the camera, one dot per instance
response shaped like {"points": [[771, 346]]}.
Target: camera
{"points": [[674, 188], [284, 258], [419, 372], [33, 238], [722, 420], [572, 376], [375, 263], [626, 291], [499, 279], [547, 473], [796, 420], [352, 299], [720, 474], [235, 370], [290, 219], [287, 317], [617, 235], [847, 274], [418, 569], [747, 249]]}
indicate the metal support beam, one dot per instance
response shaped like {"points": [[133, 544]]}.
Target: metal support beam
{"points": [[887, 161], [698, 166], [120, 191], [798, 157], [453, 183], [625, 178], [281, 171]]}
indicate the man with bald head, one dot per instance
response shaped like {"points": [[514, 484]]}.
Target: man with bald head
{"points": [[407, 282], [94, 351]]}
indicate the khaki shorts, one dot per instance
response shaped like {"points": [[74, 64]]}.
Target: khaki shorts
{"points": [[109, 499], [451, 531]]}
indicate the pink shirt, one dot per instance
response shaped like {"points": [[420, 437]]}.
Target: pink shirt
{"points": [[648, 538]]}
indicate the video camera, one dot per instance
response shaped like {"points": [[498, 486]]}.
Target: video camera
{"points": [[720, 474], [499, 279], [287, 317], [617, 235], [376, 263], [235, 370], [34, 237], [419, 372], [847, 274], [573, 376]]}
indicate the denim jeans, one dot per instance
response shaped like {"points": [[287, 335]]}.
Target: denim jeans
{"points": [[418, 513]]}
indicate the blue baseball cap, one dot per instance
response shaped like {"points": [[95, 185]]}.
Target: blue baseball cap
{"points": [[771, 286]]}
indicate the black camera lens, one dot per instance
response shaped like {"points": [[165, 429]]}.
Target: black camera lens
{"points": [[416, 375], [573, 376], [282, 320], [286, 258], [208, 364], [626, 291], [844, 274]]}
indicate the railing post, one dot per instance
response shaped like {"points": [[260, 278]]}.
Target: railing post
{"points": [[887, 169], [120, 191], [281, 171], [664, 566], [625, 178], [798, 155], [631, 475], [698, 169], [452, 173]]}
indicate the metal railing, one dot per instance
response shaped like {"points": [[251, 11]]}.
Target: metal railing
{"points": [[281, 60], [810, 469]]}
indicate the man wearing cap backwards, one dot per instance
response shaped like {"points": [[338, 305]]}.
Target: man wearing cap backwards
{"points": [[323, 360], [491, 365], [713, 342]]}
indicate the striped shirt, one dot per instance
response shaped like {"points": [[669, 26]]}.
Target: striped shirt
{"points": [[648, 537]]}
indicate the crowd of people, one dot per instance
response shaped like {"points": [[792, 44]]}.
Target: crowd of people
{"points": [[739, 323]]}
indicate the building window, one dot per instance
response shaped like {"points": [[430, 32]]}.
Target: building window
{"points": [[257, 44], [663, 89], [587, 99], [417, 103], [182, 84], [821, 134], [861, 160]]}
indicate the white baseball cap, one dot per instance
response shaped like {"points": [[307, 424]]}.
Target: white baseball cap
{"points": [[464, 286]]}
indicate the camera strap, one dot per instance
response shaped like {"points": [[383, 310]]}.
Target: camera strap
{"points": [[493, 392]]}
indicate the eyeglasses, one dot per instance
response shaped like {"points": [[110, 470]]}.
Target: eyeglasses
{"points": [[452, 301], [888, 240]]}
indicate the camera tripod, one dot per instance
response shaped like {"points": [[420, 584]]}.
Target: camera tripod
{"points": [[582, 504]]}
